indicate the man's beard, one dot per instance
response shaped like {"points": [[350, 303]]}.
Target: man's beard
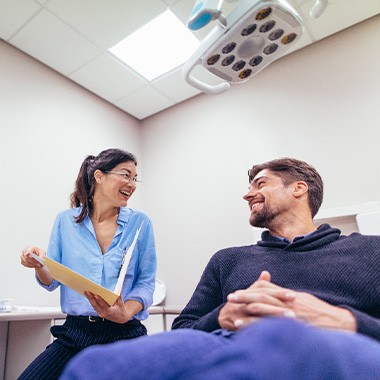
{"points": [[262, 218]]}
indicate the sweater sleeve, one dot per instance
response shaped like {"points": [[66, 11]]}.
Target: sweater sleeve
{"points": [[366, 324], [202, 311], [366, 308]]}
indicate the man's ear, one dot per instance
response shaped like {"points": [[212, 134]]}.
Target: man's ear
{"points": [[300, 188]]}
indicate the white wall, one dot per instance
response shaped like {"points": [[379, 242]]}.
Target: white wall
{"points": [[47, 126], [320, 104]]}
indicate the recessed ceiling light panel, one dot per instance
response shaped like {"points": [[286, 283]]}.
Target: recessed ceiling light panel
{"points": [[158, 47]]}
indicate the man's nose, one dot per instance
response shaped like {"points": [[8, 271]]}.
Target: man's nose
{"points": [[250, 194]]}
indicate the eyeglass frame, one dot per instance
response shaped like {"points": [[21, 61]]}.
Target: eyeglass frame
{"points": [[125, 177]]}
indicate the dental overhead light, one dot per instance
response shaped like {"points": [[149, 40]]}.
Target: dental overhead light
{"points": [[253, 35]]}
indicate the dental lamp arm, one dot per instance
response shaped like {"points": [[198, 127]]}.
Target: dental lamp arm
{"points": [[204, 11]]}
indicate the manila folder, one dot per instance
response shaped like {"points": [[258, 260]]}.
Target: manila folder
{"points": [[76, 281]]}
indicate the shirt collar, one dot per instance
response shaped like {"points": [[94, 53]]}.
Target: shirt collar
{"points": [[297, 238], [124, 214]]}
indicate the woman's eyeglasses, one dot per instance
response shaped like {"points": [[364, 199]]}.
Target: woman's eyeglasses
{"points": [[125, 177]]}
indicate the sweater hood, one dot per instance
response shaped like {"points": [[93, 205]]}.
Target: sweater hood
{"points": [[325, 234]]}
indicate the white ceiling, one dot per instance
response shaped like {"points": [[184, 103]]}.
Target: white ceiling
{"points": [[73, 37]]}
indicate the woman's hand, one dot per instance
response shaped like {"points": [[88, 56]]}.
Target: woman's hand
{"points": [[119, 312], [29, 262]]}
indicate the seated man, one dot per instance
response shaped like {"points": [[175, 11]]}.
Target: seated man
{"points": [[301, 303]]}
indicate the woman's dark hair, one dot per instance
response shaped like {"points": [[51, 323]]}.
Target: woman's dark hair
{"points": [[85, 183], [291, 170]]}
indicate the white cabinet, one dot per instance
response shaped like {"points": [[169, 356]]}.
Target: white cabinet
{"points": [[363, 218], [25, 334]]}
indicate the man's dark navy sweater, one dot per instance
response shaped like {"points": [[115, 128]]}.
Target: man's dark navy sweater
{"points": [[341, 270]]}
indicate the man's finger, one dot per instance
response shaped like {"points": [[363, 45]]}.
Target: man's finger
{"points": [[265, 275], [267, 295]]}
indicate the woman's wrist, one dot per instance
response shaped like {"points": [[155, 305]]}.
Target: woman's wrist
{"points": [[43, 275]]}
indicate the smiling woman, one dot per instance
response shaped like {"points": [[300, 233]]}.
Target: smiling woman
{"points": [[92, 238]]}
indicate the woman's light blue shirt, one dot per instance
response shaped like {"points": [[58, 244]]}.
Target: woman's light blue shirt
{"points": [[75, 246]]}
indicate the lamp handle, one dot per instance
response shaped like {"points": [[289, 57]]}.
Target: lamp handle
{"points": [[196, 59]]}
